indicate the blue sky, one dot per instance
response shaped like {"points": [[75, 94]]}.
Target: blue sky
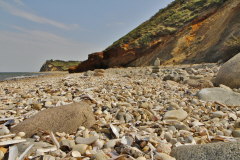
{"points": [[32, 31]]}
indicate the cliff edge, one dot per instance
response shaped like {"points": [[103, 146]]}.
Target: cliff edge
{"points": [[187, 31]]}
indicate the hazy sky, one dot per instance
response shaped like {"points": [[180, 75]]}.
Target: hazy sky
{"points": [[32, 31]]}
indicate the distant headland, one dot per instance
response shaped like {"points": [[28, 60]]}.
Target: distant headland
{"points": [[58, 65]]}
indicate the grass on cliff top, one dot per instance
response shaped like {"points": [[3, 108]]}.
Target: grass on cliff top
{"points": [[63, 64], [166, 21]]}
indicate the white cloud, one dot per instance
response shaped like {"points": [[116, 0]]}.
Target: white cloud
{"points": [[34, 18], [43, 36]]}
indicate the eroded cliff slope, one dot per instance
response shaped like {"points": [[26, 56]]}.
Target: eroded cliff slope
{"points": [[187, 31]]}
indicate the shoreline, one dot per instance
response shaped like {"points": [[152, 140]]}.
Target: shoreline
{"points": [[34, 77]]}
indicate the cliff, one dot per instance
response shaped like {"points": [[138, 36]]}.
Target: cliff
{"points": [[58, 65], [187, 31]]}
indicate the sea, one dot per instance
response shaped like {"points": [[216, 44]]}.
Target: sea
{"points": [[17, 75]]}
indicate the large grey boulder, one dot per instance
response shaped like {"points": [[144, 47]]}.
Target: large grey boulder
{"points": [[65, 118], [229, 73], [211, 151], [221, 95]]}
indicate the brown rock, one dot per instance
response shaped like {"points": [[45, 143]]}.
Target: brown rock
{"points": [[37, 106], [65, 118]]}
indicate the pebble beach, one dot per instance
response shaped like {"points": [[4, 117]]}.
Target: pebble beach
{"points": [[141, 113]]}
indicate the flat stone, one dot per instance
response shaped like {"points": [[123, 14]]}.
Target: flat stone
{"points": [[220, 95], [90, 140], [217, 114], [80, 147], [179, 114], [58, 119], [211, 151]]}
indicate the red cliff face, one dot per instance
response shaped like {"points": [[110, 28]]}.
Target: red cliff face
{"points": [[211, 35]]}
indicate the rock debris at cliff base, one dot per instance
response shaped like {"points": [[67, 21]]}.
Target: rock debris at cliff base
{"points": [[139, 114]]}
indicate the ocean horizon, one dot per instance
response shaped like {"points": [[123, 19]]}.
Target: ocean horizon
{"points": [[18, 75]]}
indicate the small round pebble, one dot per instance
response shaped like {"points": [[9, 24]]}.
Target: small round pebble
{"points": [[21, 134]]}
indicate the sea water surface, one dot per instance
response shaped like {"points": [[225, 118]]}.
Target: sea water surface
{"points": [[17, 75]]}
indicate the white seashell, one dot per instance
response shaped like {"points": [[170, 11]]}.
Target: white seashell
{"points": [[6, 119], [49, 149], [114, 130], [13, 153], [7, 136], [127, 140], [9, 142], [197, 123], [54, 140], [76, 154]]}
